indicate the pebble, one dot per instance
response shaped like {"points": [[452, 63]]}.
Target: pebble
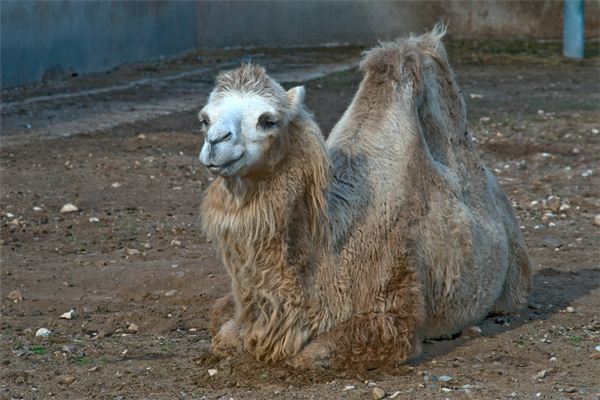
{"points": [[541, 375], [71, 314], [597, 220], [377, 393], [116, 185], [171, 292], [133, 252], [15, 296], [37, 209], [69, 348], [94, 220], [597, 348], [475, 96], [570, 389], [132, 328], [175, 243], [9, 215], [141, 136], [42, 332], [212, 372], [587, 172], [348, 387], [68, 208], [395, 394], [550, 241], [446, 390], [444, 378], [66, 379], [570, 309], [595, 131]]}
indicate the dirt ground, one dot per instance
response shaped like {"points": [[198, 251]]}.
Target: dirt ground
{"points": [[137, 269]]}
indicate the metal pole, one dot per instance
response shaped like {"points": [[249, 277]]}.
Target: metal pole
{"points": [[573, 29]]}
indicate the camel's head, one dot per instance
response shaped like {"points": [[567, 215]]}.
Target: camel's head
{"points": [[245, 122]]}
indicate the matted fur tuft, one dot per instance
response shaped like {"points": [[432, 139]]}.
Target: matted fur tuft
{"points": [[249, 78]]}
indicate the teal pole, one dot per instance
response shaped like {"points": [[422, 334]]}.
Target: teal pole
{"points": [[573, 29]]}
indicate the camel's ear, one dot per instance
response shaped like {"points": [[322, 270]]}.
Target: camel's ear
{"points": [[296, 99]]}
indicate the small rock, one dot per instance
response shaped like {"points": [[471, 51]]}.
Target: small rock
{"points": [[171, 292], [133, 252], [597, 220], [348, 387], [377, 393], [475, 96], [597, 348], [444, 378], [133, 328], [71, 314], [175, 243], [69, 348], [141, 136], [446, 390], [66, 379], [484, 119], [37, 209], [116, 185], [42, 332], [471, 331], [570, 309], [15, 296], [147, 246], [94, 220], [212, 372], [550, 241], [541, 375], [553, 203], [587, 173], [595, 356], [570, 389], [395, 394], [68, 208]]}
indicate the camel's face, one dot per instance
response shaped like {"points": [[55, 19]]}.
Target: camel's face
{"points": [[244, 131], [240, 129]]}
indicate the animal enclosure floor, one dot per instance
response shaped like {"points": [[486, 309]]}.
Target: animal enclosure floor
{"points": [[143, 277]]}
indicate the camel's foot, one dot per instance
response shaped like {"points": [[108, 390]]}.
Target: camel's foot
{"points": [[227, 342]]}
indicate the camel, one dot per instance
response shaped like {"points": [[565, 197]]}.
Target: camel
{"points": [[352, 251]]}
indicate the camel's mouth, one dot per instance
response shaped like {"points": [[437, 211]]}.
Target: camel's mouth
{"points": [[224, 169]]}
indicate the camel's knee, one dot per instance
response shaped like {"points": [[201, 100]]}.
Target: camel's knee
{"points": [[370, 340]]}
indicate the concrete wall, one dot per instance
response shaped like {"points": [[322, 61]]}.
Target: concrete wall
{"points": [[44, 38]]}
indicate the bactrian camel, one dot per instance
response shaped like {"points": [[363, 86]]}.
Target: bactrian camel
{"points": [[356, 248]]}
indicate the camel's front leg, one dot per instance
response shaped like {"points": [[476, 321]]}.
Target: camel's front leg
{"points": [[224, 328], [367, 340]]}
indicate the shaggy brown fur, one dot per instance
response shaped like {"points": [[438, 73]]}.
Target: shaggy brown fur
{"points": [[354, 250]]}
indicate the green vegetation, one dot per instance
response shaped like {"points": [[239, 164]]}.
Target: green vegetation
{"points": [[576, 340], [39, 350]]}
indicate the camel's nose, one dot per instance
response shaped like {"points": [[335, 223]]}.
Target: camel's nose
{"points": [[220, 138]]}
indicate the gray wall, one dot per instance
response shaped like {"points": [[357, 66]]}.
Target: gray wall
{"points": [[44, 38]]}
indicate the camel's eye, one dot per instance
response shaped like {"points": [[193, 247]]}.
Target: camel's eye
{"points": [[267, 121], [204, 121]]}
